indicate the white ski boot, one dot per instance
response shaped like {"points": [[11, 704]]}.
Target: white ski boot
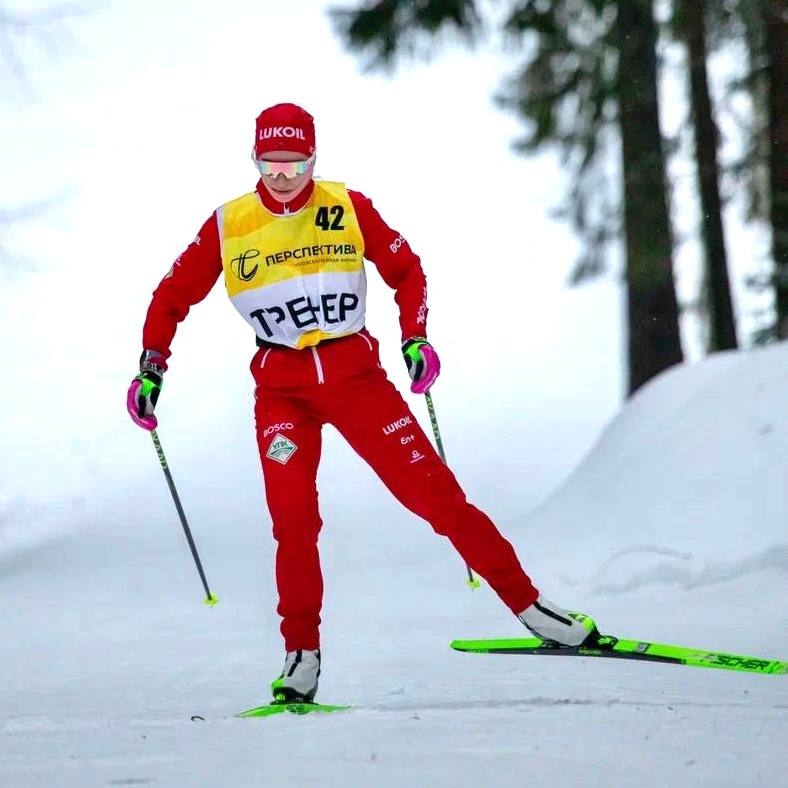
{"points": [[298, 682], [556, 625]]}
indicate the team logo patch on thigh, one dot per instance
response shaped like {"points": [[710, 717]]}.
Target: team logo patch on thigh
{"points": [[281, 449]]}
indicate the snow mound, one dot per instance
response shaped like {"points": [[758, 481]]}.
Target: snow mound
{"points": [[687, 485]]}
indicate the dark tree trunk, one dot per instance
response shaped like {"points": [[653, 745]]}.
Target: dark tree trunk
{"points": [[777, 46], [722, 321], [654, 340]]}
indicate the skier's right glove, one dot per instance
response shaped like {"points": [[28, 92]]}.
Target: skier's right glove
{"points": [[145, 389]]}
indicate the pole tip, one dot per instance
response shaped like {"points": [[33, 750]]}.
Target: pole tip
{"points": [[211, 600], [473, 584]]}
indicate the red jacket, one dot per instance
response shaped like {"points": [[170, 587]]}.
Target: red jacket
{"points": [[195, 272]]}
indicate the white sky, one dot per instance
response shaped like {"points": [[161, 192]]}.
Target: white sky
{"points": [[140, 122]]}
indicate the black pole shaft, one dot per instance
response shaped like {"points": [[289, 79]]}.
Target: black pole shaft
{"points": [[439, 443], [186, 529]]}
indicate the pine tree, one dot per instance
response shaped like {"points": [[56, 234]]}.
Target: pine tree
{"points": [[761, 170], [654, 342], [690, 24], [776, 24], [589, 71]]}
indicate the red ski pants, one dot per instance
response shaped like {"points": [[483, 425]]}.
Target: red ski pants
{"points": [[340, 382]]}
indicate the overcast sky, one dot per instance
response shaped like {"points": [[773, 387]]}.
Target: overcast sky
{"points": [[136, 120]]}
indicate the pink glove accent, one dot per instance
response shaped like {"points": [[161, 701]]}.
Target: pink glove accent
{"points": [[146, 422], [432, 368]]}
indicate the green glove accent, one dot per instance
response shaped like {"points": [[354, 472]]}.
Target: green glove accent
{"points": [[411, 352], [151, 382]]}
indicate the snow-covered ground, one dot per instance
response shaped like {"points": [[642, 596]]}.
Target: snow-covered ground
{"points": [[673, 529]]}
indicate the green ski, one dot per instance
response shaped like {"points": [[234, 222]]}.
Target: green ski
{"points": [[615, 648], [294, 708]]}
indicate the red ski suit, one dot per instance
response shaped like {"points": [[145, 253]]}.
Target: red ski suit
{"points": [[339, 382]]}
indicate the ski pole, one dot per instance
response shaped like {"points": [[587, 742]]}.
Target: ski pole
{"points": [[210, 599], [473, 581]]}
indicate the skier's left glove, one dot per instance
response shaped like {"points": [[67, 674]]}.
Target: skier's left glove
{"points": [[145, 389], [423, 364]]}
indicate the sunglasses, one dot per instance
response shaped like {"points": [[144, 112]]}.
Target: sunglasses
{"points": [[290, 169]]}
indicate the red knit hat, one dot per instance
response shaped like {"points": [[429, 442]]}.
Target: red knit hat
{"points": [[284, 127]]}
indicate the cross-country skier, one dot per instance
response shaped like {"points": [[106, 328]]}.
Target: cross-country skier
{"points": [[292, 254]]}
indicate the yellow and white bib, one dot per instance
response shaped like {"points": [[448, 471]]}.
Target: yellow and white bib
{"points": [[296, 279]]}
